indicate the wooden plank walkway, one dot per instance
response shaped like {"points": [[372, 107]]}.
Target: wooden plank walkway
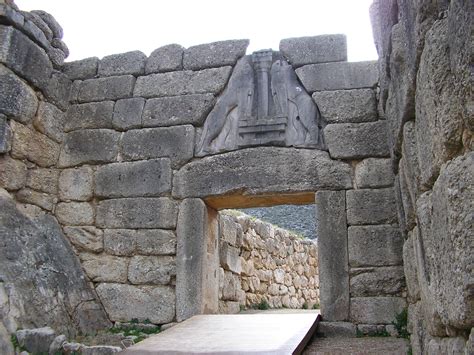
{"points": [[260, 333]]}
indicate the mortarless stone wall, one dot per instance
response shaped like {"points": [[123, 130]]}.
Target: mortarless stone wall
{"points": [[425, 51], [260, 262]]}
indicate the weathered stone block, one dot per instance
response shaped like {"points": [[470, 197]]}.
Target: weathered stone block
{"points": [[347, 106], [338, 76], [111, 88], [34, 146], [17, 100], [137, 213], [153, 270], [39, 199], [375, 246], [166, 58], [104, 268], [120, 242], [88, 239], [76, 184], [44, 180], [12, 173], [11, 15], [377, 281], [155, 303], [130, 179], [229, 258], [215, 54], [372, 172], [36, 341], [24, 57], [251, 172], [50, 121], [34, 33], [5, 135], [57, 90], [183, 82], [229, 307], [122, 64], [371, 206], [376, 310], [156, 242], [333, 257], [177, 110], [336, 329], [230, 231], [317, 49], [89, 146], [176, 143], [81, 69], [128, 113], [410, 268], [75, 213], [89, 115], [357, 140], [49, 19]]}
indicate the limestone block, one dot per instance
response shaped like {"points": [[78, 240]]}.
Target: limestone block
{"points": [[347, 106], [36, 341], [110, 88], [183, 82], [122, 64], [76, 184], [377, 281], [229, 307], [17, 100], [104, 268], [176, 143], [250, 171], [137, 213], [338, 76], [75, 213], [89, 146], [380, 245], [130, 179], [57, 90], [410, 160], [155, 303], [81, 69], [336, 329], [128, 113], [215, 54], [166, 58], [333, 260], [317, 49], [34, 146], [23, 56], [372, 172], [376, 310], [87, 239], [445, 220], [44, 180], [248, 268], [231, 286], [369, 206], [49, 19], [120, 242], [410, 268], [357, 140], [177, 110], [229, 258], [50, 121], [440, 346], [153, 270], [39, 199], [5, 135], [13, 173], [35, 34], [12, 15], [156, 242], [230, 231], [89, 115]]}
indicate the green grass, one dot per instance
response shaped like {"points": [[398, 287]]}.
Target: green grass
{"points": [[135, 330], [316, 306], [400, 323], [263, 305]]}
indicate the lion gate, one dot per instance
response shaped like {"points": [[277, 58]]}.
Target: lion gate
{"points": [[146, 150]]}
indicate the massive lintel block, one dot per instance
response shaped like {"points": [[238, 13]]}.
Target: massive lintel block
{"points": [[261, 171], [337, 76], [215, 54], [317, 49]]}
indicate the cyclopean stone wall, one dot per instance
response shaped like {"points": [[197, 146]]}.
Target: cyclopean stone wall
{"points": [[263, 263], [425, 51]]}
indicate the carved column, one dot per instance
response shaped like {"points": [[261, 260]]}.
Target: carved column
{"points": [[262, 61]]}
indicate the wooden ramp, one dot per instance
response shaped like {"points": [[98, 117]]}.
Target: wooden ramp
{"points": [[259, 333]]}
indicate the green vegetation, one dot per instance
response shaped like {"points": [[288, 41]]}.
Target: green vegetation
{"points": [[136, 331], [316, 306], [16, 344], [263, 305], [400, 324], [304, 306]]}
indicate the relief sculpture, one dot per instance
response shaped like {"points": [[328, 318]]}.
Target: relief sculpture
{"points": [[263, 104]]}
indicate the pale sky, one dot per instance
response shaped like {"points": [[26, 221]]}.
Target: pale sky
{"points": [[102, 27]]}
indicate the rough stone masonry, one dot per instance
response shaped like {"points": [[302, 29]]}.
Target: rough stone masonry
{"points": [[112, 172]]}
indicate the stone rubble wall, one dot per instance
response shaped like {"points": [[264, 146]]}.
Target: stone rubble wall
{"points": [[425, 51], [263, 263]]}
